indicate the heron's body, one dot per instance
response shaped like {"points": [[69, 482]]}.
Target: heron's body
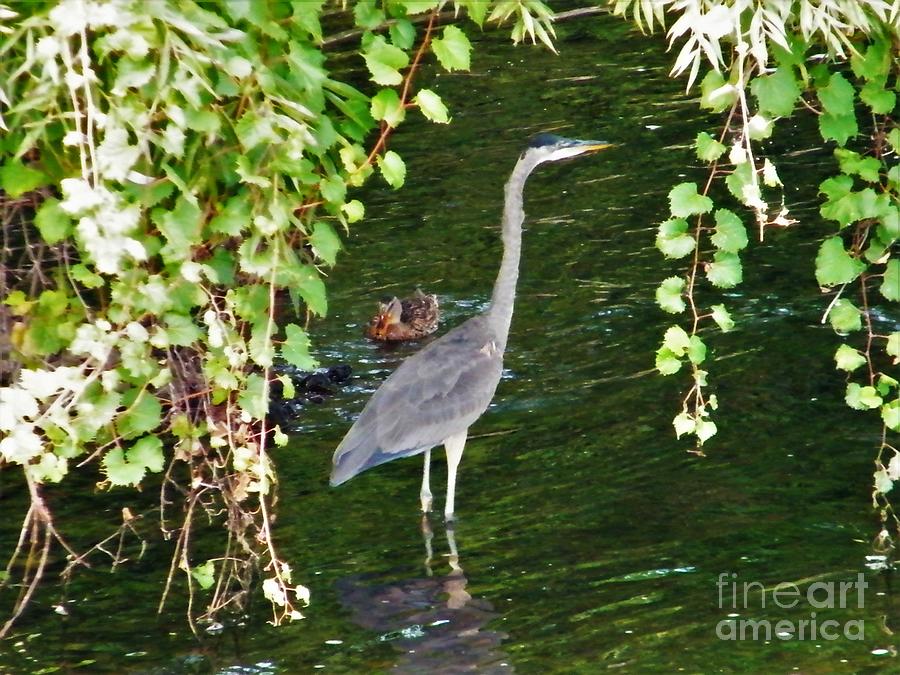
{"points": [[436, 394]]}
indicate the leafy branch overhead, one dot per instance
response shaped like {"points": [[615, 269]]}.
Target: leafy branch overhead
{"points": [[187, 170], [764, 62]]}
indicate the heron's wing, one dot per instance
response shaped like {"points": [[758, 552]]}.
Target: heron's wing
{"points": [[434, 394]]}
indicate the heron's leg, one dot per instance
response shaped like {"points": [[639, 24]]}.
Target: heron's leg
{"points": [[425, 494], [454, 446]]}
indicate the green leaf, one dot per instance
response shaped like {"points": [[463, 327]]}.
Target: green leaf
{"points": [[715, 95], [893, 346], [676, 340], [834, 265], [53, 223], [181, 330], [722, 318], [862, 398], [333, 189], [738, 180], [849, 359], [672, 238], [386, 106], [144, 415], [16, 179], [730, 234], [325, 242], [685, 201], [708, 148], [305, 280], [367, 15], [845, 316], [890, 413], [432, 106], [393, 169], [403, 34], [254, 399], [838, 128], [684, 423], [180, 227], [667, 363], [725, 270], [882, 101], [452, 49], [668, 295], [295, 349], [205, 574], [121, 472], [148, 452], [234, 217], [837, 96], [885, 384], [883, 482], [86, 277], [890, 285], [706, 429], [355, 210], [776, 93], [853, 163], [893, 138], [477, 10], [384, 62], [696, 350], [873, 62]]}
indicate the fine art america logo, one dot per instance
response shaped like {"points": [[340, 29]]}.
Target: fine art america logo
{"points": [[737, 595]]}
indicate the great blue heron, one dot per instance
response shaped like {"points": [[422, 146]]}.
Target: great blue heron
{"points": [[436, 394]]}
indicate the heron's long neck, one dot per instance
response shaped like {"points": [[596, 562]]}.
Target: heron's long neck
{"points": [[504, 296]]}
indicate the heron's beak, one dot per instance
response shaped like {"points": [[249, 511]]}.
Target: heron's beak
{"points": [[594, 146]]}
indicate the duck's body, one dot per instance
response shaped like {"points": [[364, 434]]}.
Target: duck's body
{"points": [[412, 318]]}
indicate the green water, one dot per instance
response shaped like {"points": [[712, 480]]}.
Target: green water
{"points": [[588, 539]]}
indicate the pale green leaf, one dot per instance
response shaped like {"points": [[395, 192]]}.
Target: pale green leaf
{"points": [[668, 295], [393, 169], [667, 363], [849, 359], [677, 340], [325, 242], [672, 238], [148, 452], [386, 106], [834, 265], [144, 415], [452, 49], [708, 148], [696, 350], [432, 106], [254, 399], [890, 413], [890, 284], [295, 349], [684, 423], [845, 316], [16, 179], [862, 398], [722, 318], [725, 270], [730, 234], [685, 201], [205, 574], [53, 223], [706, 429]]}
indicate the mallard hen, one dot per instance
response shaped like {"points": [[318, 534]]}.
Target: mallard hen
{"points": [[411, 318]]}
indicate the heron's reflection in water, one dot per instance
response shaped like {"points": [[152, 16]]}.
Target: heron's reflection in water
{"points": [[433, 621]]}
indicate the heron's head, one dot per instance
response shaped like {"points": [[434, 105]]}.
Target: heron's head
{"points": [[552, 148]]}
